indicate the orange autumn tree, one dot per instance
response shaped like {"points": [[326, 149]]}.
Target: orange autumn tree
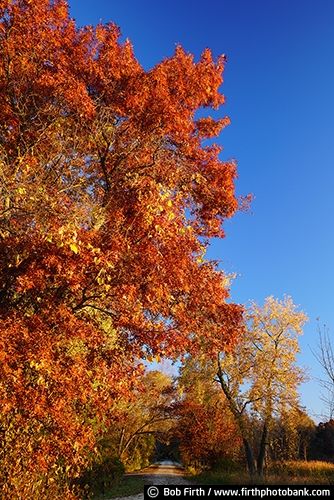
{"points": [[207, 435], [108, 199], [204, 425]]}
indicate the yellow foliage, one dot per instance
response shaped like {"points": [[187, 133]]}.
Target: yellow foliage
{"points": [[263, 370]]}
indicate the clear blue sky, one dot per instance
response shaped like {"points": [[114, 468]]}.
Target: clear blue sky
{"points": [[279, 88]]}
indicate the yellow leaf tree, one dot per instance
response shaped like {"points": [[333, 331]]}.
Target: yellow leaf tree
{"points": [[261, 377]]}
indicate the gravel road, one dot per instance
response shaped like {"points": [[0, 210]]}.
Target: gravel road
{"points": [[165, 472]]}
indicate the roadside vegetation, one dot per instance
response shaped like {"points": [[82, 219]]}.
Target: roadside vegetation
{"points": [[130, 485], [279, 473]]}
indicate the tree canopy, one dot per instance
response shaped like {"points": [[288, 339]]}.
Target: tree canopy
{"points": [[108, 198]]}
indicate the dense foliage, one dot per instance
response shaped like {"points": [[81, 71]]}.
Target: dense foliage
{"points": [[204, 426], [108, 198]]}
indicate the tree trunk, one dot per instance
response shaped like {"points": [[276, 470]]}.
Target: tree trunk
{"points": [[240, 421], [249, 457], [262, 452]]}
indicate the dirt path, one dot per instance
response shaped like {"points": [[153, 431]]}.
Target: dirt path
{"points": [[165, 472]]}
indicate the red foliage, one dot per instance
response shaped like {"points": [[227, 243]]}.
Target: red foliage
{"points": [[207, 434], [107, 194]]}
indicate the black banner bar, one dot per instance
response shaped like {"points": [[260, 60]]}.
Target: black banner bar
{"points": [[160, 492]]}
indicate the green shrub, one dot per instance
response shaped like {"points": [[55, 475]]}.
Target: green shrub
{"points": [[141, 454], [226, 465], [103, 475]]}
